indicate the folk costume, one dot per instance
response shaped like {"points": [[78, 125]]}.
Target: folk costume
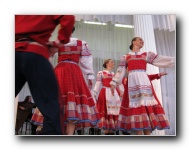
{"points": [[76, 102], [140, 109], [107, 104], [37, 118]]}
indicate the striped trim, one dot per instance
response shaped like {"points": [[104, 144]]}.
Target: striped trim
{"points": [[130, 59], [140, 95], [69, 61], [76, 95], [138, 87], [138, 70]]}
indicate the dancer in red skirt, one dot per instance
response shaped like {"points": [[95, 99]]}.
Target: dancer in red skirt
{"points": [[151, 77], [107, 104], [37, 119], [140, 110], [76, 102]]}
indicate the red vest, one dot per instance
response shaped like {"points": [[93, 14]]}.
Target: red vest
{"points": [[72, 53], [135, 62]]}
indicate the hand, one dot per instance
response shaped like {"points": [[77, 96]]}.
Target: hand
{"points": [[125, 81], [112, 89], [58, 44], [121, 94], [163, 73], [22, 108], [52, 51], [95, 95], [90, 84], [50, 44]]}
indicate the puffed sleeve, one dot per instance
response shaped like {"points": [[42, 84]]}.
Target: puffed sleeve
{"points": [[86, 61], [121, 88], [120, 71], [66, 23], [98, 82], [160, 61]]}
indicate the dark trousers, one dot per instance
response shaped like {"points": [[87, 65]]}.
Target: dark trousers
{"points": [[39, 73]]}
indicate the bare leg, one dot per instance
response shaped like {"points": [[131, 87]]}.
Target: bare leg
{"points": [[106, 131], [111, 132], [139, 132], [39, 130], [97, 131], [117, 132], [70, 128], [146, 132]]}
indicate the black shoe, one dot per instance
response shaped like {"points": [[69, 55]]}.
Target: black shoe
{"points": [[125, 133], [117, 132], [98, 132], [79, 132], [91, 131], [112, 133]]}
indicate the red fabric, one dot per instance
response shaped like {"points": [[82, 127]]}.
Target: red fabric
{"points": [[38, 28], [107, 79], [144, 117], [107, 121], [133, 64], [70, 79], [37, 117], [153, 77], [73, 57], [67, 23], [123, 81], [76, 102], [67, 48], [25, 46]]}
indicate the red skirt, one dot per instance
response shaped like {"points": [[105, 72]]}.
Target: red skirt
{"points": [[107, 122], [76, 101], [37, 118], [140, 118]]}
